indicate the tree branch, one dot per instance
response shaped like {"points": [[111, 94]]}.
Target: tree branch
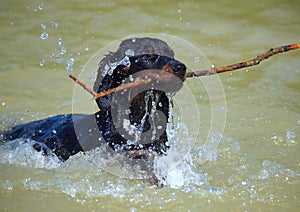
{"points": [[222, 69], [245, 64], [91, 91]]}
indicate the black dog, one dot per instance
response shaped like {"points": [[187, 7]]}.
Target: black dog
{"points": [[69, 134]]}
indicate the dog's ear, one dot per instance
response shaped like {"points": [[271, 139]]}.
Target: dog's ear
{"points": [[118, 75], [109, 82], [113, 80]]}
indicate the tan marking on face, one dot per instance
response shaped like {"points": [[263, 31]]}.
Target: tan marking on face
{"points": [[127, 69], [167, 68]]}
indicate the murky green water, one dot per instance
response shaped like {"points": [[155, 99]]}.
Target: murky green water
{"points": [[257, 164]]}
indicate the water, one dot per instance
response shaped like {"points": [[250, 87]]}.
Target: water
{"points": [[44, 36], [255, 166]]}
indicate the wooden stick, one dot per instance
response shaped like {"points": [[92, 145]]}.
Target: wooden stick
{"points": [[91, 91], [122, 87], [245, 64], [110, 91], [232, 67]]}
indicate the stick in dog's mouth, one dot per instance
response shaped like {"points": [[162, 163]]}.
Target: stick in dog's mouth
{"points": [[183, 75]]}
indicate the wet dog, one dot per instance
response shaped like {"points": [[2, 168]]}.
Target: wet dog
{"points": [[133, 120]]}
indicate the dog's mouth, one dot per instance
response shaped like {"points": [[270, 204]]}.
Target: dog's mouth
{"points": [[161, 69]]}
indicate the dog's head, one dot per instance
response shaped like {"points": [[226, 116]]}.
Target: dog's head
{"points": [[132, 47], [136, 55], [150, 58]]}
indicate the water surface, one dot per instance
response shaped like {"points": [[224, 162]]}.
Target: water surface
{"points": [[255, 167]]}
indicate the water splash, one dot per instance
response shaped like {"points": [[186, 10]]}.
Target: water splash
{"points": [[112, 66], [175, 171], [21, 152]]}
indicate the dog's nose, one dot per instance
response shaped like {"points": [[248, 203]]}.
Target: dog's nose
{"points": [[180, 68]]}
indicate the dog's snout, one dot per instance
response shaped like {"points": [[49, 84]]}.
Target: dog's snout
{"points": [[180, 68]]}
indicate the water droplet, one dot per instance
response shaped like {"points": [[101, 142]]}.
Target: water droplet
{"points": [[129, 52], [59, 41], [58, 59], [82, 68], [266, 163], [3, 103], [54, 24], [197, 59], [180, 18], [133, 210], [133, 40], [44, 27], [117, 147], [213, 189], [44, 36], [63, 50], [51, 55], [11, 23], [179, 11], [86, 49], [131, 78], [69, 68], [70, 64], [54, 131], [290, 136], [264, 174], [41, 5], [42, 62], [106, 67]]}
